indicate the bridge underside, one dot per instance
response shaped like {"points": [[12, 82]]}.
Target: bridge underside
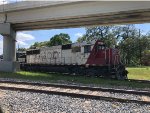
{"points": [[123, 17]]}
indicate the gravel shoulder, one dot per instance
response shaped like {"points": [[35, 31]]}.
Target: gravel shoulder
{"points": [[26, 102]]}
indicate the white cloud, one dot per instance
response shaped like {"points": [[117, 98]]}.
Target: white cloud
{"points": [[3, 2], [23, 37], [10, 1], [21, 40], [78, 35], [22, 43], [1, 47]]}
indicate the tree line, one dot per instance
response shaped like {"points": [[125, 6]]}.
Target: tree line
{"points": [[134, 45]]}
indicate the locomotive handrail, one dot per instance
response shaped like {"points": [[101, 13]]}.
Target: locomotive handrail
{"points": [[105, 55], [115, 62], [109, 56], [116, 59]]}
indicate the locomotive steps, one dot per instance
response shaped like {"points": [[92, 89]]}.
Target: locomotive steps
{"points": [[126, 96]]}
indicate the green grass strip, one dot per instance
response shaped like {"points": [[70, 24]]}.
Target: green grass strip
{"points": [[36, 76]]}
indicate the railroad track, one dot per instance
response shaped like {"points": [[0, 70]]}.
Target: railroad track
{"points": [[140, 81], [117, 95]]}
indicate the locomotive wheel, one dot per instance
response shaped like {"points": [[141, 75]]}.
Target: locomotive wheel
{"points": [[120, 74], [125, 72], [91, 72]]}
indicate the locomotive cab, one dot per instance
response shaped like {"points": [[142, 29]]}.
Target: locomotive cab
{"points": [[98, 54], [108, 59]]}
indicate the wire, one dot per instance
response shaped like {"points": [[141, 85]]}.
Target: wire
{"points": [[1, 49], [3, 5]]}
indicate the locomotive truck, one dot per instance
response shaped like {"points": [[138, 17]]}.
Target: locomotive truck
{"points": [[87, 58]]}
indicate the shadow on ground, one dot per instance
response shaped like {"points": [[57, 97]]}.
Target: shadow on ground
{"points": [[1, 110]]}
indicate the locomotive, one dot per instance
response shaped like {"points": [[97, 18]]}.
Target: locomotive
{"points": [[87, 58]]}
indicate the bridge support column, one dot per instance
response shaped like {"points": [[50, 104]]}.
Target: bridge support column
{"points": [[9, 63]]}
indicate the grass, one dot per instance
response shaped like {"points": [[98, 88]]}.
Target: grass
{"points": [[140, 73], [136, 73]]}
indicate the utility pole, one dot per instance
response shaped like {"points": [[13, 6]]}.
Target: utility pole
{"points": [[18, 47], [140, 46], [17, 53]]}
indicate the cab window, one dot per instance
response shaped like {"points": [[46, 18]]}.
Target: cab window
{"points": [[87, 49], [100, 47]]}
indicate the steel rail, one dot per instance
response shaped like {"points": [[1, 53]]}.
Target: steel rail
{"points": [[75, 95], [146, 93], [140, 81]]}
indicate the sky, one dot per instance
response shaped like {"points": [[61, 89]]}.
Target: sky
{"points": [[26, 38]]}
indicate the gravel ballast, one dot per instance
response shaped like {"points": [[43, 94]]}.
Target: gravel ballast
{"points": [[26, 102]]}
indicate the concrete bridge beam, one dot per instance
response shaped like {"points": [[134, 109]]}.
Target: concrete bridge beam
{"points": [[9, 63]]}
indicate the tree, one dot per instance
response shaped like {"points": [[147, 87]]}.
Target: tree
{"points": [[146, 58], [100, 32], [128, 49], [130, 42], [127, 36], [60, 39], [103, 33], [82, 38], [39, 44], [21, 49], [123, 32]]}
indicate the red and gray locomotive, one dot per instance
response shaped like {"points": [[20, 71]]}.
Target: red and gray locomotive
{"points": [[86, 58]]}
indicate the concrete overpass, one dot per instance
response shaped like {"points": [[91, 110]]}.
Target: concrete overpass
{"points": [[33, 15]]}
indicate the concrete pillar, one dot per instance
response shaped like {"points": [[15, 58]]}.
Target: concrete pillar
{"points": [[9, 48], [9, 63]]}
